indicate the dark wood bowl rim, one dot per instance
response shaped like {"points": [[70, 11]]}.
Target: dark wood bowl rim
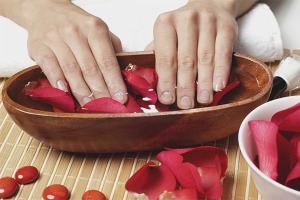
{"points": [[31, 111]]}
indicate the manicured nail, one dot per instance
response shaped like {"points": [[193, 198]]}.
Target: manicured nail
{"points": [[119, 96], [85, 100], [167, 97], [185, 102], [219, 84], [204, 97], [62, 85]]}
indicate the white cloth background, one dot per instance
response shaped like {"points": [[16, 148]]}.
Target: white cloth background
{"points": [[132, 21]]}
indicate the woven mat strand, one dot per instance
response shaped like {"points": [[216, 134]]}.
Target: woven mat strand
{"points": [[105, 172]]}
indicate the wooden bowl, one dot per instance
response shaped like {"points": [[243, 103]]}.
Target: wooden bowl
{"points": [[103, 133]]}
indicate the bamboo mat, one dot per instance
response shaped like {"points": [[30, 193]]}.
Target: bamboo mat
{"points": [[105, 172]]}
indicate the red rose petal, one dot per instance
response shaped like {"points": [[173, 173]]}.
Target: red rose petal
{"points": [[152, 181], [147, 73], [132, 106], [291, 122], [233, 82], [183, 194], [57, 110], [42, 91], [140, 86], [195, 169], [293, 179], [186, 174], [286, 158], [103, 105], [265, 136], [278, 117], [207, 155]]}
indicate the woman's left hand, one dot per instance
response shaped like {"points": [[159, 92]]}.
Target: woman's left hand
{"points": [[196, 39]]}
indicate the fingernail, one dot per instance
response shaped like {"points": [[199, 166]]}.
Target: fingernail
{"points": [[219, 84], [167, 97], [62, 85], [85, 100], [119, 96], [185, 102], [204, 97]]}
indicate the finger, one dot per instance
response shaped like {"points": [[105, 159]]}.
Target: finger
{"points": [[224, 47], [165, 40], [48, 62], [206, 52], [72, 72], [150, 46], [101, 46], [187, 31], [116, 42], [88, 65]]}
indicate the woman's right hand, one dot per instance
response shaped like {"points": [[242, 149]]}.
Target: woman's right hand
{"points": [[72, 45]]}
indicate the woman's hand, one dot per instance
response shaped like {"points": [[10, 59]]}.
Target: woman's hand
{"points": [[196, 39], [72, 45]]}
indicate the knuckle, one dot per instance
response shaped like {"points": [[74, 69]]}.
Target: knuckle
{"points": [[70, 67], [95, 23], [89, 69], [166, 62], [109, 64], [164, 18], [45, 60], [206, 59], [187, 63], [208, 17], [189, 15]]}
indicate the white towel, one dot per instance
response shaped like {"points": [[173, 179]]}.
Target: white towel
{"points": [[132, 21]]}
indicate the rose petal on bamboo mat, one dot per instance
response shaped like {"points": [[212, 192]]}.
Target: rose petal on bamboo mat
{"points": [[186, 174], [183, 194], [204, 156], [265, 136], [287, 158], [148, 107], [291, 122], [293, 179], [103, 105], [53, 96], [151, 180], [278, 117], [206, 178], [140, 86], [147, 73], [132, 106]]}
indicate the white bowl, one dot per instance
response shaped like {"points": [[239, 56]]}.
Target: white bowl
{"points": [[268, 188]]}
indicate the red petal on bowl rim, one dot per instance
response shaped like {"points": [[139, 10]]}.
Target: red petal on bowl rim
{"points": [[103, 105], [147, 73], [53, 96], [151, 180], [265, 136], [140, 86], [132, 106], [183, 194]]}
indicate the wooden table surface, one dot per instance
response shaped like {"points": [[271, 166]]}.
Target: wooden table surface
{"points": [[105, 172]]}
